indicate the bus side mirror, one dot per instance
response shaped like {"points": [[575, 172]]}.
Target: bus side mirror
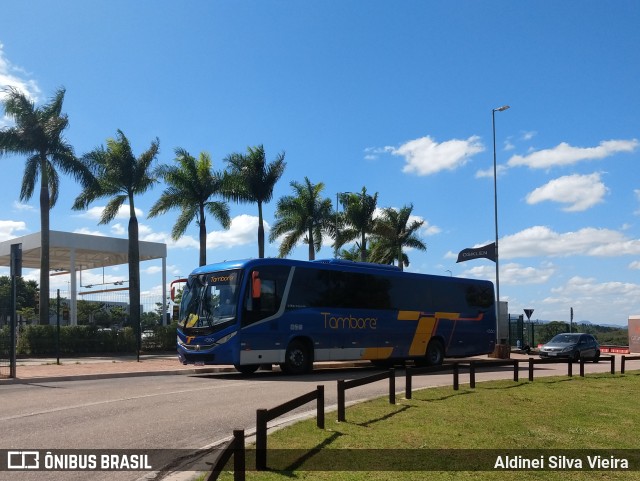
{"points": [[256, 285]]}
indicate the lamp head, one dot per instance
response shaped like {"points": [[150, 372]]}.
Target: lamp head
{"points": [[501, 109]]}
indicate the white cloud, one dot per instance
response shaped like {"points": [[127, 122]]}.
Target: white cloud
{"points": [[542, 241], [96, 212], [529, 135], [118, 229], [22, 207], [13, 76], [512, 273], [9, 229], [587, 296], [488, 173], [565, 154], [184, 242], [84, 230], [243, 230], [424, 156], [635, 265], [579, 191]]}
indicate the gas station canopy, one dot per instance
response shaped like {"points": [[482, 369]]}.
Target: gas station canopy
{"points": [[78, 251], [72, 252]]}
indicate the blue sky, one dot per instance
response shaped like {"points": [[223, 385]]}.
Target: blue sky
{"points": [[394, 96]]}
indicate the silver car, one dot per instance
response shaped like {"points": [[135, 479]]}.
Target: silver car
{"points": [[575, 346]]}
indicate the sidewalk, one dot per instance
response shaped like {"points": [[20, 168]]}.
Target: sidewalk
{"points": [[100, 367]]}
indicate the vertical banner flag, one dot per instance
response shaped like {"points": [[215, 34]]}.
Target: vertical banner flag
{"points": [[487, 252]]}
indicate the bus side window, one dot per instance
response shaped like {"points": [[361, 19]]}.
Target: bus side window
{"points": [[264, 293]]}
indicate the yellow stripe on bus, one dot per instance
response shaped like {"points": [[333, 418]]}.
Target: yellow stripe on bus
{"points": [[423, 333], [377, 353], [409, 315]]}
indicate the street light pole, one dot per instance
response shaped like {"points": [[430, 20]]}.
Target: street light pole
{"points": [[495, 205]]}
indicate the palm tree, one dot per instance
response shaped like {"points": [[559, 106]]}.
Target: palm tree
{"points": [[351, 254], [38, 134], [392, 233], [121, 176], [357, 219], [191, 184], [304, 214], [250, 178]]}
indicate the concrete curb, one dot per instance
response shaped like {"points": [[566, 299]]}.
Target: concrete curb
{"points": [[91, 377], [164, 372]]}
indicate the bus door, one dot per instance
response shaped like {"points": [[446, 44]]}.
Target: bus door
{"points": [[262, 338]]}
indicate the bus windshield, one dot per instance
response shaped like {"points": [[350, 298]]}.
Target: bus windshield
{"points": [[209, 302]]}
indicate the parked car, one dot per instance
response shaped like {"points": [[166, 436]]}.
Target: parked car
{"points": [[572, 345]]}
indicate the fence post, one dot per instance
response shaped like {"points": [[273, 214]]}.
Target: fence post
{"points": [[516, 368], [621, 364], [456, 374], [530, 369], [261, 439], [392, 386], [408, 385], [341, 415], [569, 367], [581, 367], [320, 408], [613, 364], [472, 375], [239, 459]]}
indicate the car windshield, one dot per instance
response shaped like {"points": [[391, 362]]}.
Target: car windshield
{"points": [[565, 339], [209, 301]]}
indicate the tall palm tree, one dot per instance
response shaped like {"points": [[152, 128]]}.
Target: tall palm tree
{"points": [[393, 232], [251, 179], [191, 185], [357, 219], [38, 134], [121, 176], [303, 215]]}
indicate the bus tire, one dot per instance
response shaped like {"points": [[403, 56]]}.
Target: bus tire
{"points": [[246, 369], [297, 359], [435, 353]]}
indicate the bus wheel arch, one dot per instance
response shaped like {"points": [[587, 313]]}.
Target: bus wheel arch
{"points": [[435, 353], [298, 358]]}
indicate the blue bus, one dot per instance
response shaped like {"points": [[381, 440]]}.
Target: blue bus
{"points": [[291, 313]]}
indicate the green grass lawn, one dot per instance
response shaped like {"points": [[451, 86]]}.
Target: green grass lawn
{"points": [[551, 415]]}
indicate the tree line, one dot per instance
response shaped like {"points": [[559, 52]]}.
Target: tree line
{"points": [[194, 189]]}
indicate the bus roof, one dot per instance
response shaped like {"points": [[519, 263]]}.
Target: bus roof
{"points": [[337, 264]]}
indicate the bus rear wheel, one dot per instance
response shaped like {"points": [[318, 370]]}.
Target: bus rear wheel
{"points": [[435, 353], [247, 369], [297, 359]]}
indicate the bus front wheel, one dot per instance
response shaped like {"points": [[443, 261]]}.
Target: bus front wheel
{"points": [[297, 359], [435, 353]]}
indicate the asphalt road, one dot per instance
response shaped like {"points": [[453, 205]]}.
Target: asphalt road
{"points": [[176, 412]]}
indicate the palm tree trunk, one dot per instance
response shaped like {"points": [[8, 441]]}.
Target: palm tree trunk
{"points": [[260, 232], [363, 248], [312, 250], [400, 263], [44, 243], [203, 237], [134, 278]]}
